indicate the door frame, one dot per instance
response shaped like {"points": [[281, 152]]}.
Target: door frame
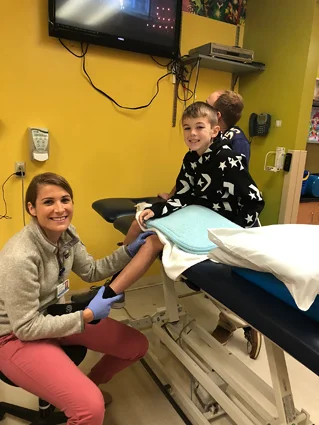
{"points": [[290, 197]]}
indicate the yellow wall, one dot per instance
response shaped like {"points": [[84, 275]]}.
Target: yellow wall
{"points": [[102, 151], [286, 39]]}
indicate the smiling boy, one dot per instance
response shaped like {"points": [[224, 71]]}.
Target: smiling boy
{"points": [[212, 174]]}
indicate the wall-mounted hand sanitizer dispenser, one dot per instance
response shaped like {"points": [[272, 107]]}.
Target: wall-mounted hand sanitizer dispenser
{"points": [[39, 143]]}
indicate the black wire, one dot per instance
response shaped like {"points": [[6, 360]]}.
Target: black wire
{"points": [[190, 75], [83, 57], [113, 100], [168, 332], [184, 81], [163, 65], [23, 199], [186, 99], [236, 79], [181, 332], [176, 63], [127, 107], [197, 76], [74, 54], [4, 199], [185, 96], [180, 72]]}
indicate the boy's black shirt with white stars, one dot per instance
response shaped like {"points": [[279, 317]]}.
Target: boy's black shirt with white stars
{"points": [[218, 180]]}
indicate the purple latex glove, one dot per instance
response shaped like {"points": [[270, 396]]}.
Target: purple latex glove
{"points": [[100, 306], [139, 241]]}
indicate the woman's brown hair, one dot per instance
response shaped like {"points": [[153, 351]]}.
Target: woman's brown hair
{"points": [[42, 180]]}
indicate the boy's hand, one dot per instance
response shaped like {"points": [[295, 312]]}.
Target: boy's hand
{"points": [[145, 215], [165, 196]]}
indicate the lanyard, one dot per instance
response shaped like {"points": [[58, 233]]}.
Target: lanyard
{"points": [[61, 259], [61, 267], [61, 271]]}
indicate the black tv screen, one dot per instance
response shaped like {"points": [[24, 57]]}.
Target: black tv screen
{"points": [[145, 26]]}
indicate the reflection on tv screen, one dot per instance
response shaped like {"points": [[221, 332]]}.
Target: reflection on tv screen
{"points": [[147, 20]]}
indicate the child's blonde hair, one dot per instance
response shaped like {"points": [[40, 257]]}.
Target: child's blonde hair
{"points": [[201, 110]]}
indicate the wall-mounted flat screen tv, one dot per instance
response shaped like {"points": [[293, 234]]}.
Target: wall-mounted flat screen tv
{"points": [[145, 26]]}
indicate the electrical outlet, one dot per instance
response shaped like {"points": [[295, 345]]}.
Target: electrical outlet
{"points": [[19, 167]]}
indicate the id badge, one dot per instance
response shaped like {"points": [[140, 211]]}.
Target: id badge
{"points": [[63, 288]]}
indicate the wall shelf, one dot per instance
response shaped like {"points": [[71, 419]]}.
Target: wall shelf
{"points": [[217, 64], [224, 65]]}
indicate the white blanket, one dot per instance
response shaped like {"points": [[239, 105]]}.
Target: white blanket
{"points": [[288, 251]]}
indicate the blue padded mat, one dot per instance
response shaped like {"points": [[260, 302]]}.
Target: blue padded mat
{"points": [[274, 286], [188, 228]]}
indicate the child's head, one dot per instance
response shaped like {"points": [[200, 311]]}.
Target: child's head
{"points": [[229, 104], [200, 125]]}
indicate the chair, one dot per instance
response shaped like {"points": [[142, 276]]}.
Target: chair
{"points": [[45, 415]]}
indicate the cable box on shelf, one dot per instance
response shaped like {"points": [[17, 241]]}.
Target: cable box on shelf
{"points": [[224, 52]]}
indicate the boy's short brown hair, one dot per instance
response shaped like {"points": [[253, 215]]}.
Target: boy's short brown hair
{"points": [[201, 110], [230, 104]]}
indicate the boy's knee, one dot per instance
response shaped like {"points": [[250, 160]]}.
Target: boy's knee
{"points": [[135, 226], [155, 242]]}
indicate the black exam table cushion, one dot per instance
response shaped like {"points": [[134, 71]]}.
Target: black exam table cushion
{"points": [[112, 208], [288, 328]]}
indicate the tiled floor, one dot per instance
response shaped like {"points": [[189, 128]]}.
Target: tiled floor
{"points": [[140, 402]]}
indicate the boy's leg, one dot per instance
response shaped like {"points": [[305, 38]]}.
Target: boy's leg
{"points": [[138, 265], [121, 345], [131, 273], [42, 368], [132, 233]]}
